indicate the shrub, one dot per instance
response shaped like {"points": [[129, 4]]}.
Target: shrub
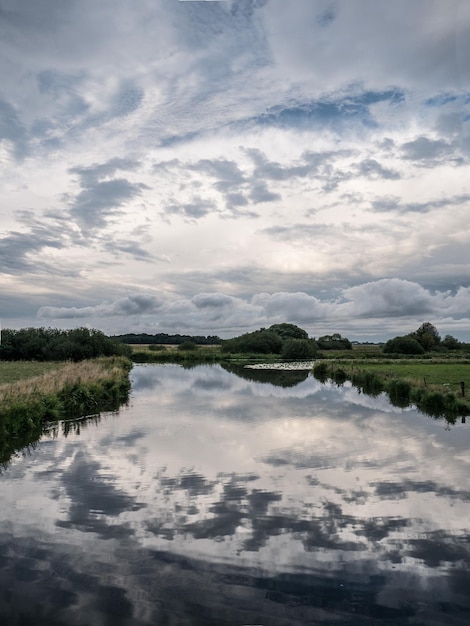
{"points": [[299, 349], [187, 345], [258, 342], [403, 345], [334, 342]]}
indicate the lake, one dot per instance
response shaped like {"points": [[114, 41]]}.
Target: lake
{"points": [[239, 497]]}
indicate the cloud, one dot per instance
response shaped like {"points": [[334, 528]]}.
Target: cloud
{"points": [[424, 149], [100, 197], [388, 297], [296, 307], [137, 304], [384, 308], [12, 130], [372, 169]]}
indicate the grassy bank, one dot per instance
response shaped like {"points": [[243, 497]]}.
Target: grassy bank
{"points": [[61, 390], [439, 388]]}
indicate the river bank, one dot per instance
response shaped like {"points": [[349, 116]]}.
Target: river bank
{"points": [[68, 390], [438, 388]]}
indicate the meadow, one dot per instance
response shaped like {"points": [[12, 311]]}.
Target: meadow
{"points": [[13, 371]]}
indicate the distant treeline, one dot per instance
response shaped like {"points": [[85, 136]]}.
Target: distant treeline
{"points": [[51, 344], [164, 338]]}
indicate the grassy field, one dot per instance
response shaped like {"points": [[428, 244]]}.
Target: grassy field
{"points": [[435, 375], [13, 371]]}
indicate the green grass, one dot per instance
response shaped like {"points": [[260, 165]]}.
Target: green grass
{"points": [[434, 386], [439, 376], [13, 371]]}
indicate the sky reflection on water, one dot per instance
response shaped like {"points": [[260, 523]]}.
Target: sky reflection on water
{"points": [[214, 499]]}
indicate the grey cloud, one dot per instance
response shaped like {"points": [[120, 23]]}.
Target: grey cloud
{"points": [[93, 173], [372, 169], [130, 248], [100, 199], [15, 247], [260, 193], [236, 200], [227, 172], [271, 170], [212, 300], [95, 204], [12, 129], [19, 250], [196, 209], [424, 149], [393, 203], [137, 304]]}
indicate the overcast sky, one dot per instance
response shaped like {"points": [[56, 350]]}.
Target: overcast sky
{"points": [[216, 167]]}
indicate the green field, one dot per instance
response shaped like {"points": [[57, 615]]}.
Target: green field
{"points": [[13, 371], [439, 376]]}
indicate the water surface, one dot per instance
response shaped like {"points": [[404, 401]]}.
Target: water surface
{"points": [[220, 499]]}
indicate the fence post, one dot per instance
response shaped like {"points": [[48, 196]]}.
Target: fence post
{"points": [[462, 387]]}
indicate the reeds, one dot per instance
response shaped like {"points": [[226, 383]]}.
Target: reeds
{"points": [[72, 390]]}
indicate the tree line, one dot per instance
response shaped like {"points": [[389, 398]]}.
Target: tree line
{"points": [[425, 339], [166, 339], [51, 344]]}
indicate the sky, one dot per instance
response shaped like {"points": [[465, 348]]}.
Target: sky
{"points": [[213, 167]]}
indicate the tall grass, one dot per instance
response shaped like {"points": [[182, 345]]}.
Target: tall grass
{"points": [[73, 390]]}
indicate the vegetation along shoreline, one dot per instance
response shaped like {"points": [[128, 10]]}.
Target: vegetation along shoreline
{"points": [[72, 373]]}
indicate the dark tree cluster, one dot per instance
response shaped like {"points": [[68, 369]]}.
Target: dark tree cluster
{"points": [[51, 344], [287, 340], [334, 342], [164, 338], [425, 339]]}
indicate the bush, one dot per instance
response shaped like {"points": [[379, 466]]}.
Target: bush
{"points": [[187, 345], [403, 345], [299, 349], [334, 342], [156, 347], [258, 342]]}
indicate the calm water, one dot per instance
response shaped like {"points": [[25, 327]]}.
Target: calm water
{"points": [[215, 499]]}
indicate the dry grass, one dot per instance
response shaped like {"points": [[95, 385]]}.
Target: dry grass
{"points": [[52, 382]]}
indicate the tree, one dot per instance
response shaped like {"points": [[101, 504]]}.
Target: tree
{"points": [[451, 343], [334, 342], [299, 349], [403, 345], [427, 336], [260, 342], [288, 331]]}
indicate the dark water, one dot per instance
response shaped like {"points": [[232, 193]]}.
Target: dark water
{"points": [[215, 499]]}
